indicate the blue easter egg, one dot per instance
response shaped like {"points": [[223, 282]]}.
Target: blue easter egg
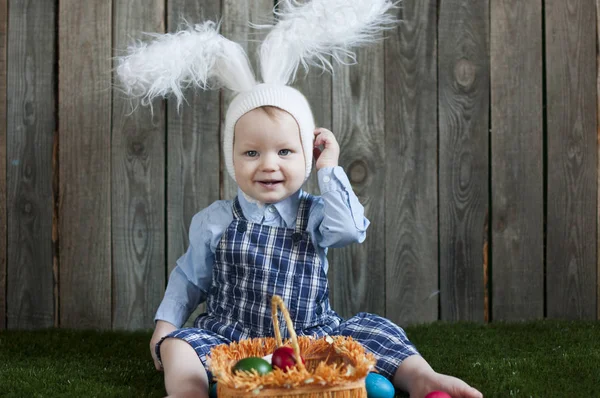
{"points": [[379, 387]]}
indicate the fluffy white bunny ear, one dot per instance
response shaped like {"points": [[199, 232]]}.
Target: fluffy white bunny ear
{"points": [[307, 33], [198, 56]]}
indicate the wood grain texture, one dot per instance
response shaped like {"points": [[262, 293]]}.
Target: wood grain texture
{"points": [[316, 87], [30, 126], [3, 143], [236, 15], [84, 113], [517, 173], [193, 148], [411, 197], [571, 262], [315, 84], [464, 78], [598, 155], [138, 184], [358, 271]]}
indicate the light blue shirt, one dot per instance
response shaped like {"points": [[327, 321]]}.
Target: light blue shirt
{"points": [[336, 219]]}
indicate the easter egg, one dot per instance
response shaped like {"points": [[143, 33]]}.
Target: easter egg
{"points": [[284, 358], [252, 363], [212, 391], [379, 387], [438, 394]]}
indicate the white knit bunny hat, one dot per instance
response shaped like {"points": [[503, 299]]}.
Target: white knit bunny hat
{"points": [[304, 34]]}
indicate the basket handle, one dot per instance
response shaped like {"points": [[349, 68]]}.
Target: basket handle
{"points": [[277, 301]]}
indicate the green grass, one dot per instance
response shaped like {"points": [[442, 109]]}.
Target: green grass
{"points": [[539, 359]]}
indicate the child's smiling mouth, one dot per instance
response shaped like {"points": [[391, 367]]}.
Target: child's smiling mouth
{"points": [[270, 183]]}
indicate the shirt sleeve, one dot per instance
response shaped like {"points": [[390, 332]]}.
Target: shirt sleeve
{"points": [[191, 278], [343, 220]]}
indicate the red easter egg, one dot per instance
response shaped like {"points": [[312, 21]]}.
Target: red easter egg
{"points": [[283, 358], [438, 394]]}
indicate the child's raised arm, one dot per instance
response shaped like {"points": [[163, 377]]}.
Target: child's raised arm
{"points": [[343, 221]]}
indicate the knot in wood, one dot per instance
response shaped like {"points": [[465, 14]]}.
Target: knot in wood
{"points": [[137, 148], [358, 171], [464, 72], [27, 207]]}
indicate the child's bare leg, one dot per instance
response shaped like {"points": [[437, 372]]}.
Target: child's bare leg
{"points": [[184, 374]]}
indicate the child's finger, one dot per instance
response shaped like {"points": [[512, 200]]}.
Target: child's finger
{"points": [[316, 139], [321, 138]]}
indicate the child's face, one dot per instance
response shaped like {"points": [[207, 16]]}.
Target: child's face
{"points": [[268, 158]]}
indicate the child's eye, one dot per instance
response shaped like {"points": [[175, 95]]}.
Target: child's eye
{"points": [[251, 154], [284, 152]]}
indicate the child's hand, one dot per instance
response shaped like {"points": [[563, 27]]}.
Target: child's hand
{"points": [[328, 157], [161, 329], [417, 377]]}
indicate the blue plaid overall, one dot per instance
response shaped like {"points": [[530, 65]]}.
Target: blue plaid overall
{"points": [[252, 263]]}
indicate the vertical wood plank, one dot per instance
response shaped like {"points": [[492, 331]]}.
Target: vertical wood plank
{"points": [[236, 15], [30, 126], [315, 84], [193, 148], [517, 175], [192, 142], [138, 185], [411, 197], [571, 263], [598, 155], [84, 163], [316, 87], [358, 271], [3, 143], [463, 156]]}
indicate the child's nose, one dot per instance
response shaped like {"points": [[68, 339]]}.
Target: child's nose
{"points": [[269, 162]]}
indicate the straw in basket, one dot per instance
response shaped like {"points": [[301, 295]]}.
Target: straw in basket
{"points": [[336, 366]]}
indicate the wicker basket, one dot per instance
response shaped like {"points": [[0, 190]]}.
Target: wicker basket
{"points": [[335, 367]]}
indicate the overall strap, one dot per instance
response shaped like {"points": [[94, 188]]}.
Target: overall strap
{"points": [[237, 210], [306, 201]]}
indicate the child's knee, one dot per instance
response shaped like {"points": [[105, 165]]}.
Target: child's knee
{"points": [[183, 369], [180, 353]]}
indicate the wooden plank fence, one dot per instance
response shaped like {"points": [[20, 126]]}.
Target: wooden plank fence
{"points": [[470, 134], [516, 174], [3, 158]]}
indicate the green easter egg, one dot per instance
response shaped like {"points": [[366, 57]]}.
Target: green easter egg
{"points": [[247, 364]]}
